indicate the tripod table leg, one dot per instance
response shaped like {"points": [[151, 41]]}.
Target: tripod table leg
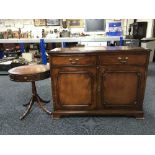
{"points": [[25, 105], [42, 106], [28, 109], [42, 99]]}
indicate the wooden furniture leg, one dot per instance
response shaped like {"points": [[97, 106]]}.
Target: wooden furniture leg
{"points": [[25, 105], [28, 108], [43, 100], [140, 116], [35, 98], [56, 116]]}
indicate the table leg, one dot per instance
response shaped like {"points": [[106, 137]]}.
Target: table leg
{"points": [[38, 99], [25, 105], [42, 99], [41, 105], [28, 108], [35, 98]]}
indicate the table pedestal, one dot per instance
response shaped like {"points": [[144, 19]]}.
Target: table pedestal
{"points": [[35, 99]]}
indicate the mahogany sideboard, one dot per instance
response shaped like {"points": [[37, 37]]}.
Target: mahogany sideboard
{"points": [[98, 80]]}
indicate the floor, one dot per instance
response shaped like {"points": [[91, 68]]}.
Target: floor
{"points": [[13, 95]]}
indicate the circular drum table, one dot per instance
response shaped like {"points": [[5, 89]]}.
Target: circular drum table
{"points": [[31, 73]]}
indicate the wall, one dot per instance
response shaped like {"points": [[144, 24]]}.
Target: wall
{"points": [[28, 25], [25, 25], [128, 22]]}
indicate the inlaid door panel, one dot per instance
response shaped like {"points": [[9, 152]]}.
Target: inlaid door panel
{"points": [[75, 87], [121, 87]]}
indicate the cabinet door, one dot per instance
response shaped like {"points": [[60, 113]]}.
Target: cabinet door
{"points": [[74, 88], [121, 87]]}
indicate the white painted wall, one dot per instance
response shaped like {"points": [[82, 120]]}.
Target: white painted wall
{"points": [[28, 25], [25, 25], [127, 23]]}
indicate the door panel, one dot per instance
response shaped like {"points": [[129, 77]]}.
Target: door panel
{"points": [[121, 87], [76, 88]]}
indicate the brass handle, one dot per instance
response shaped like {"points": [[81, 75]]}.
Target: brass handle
{"points": [[70, 59], [73, 61], [124, 60]]}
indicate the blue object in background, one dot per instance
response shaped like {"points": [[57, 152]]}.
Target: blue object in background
{"points": [[1, 54], [43, 52], [114, 33], [115, 24], [63, 45], [121, 41], [115, 29], [22, 48]]}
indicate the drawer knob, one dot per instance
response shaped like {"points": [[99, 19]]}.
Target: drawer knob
{"points": [[119, 58], [126, 58]]}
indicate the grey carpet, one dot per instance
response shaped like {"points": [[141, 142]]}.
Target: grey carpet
{"points": [[14, 94]]}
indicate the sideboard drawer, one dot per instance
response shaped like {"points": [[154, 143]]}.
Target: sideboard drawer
{"points": [[73, 60], [131, 59]]}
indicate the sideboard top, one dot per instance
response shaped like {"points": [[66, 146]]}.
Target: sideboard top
{"points": [[96, 49]]}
